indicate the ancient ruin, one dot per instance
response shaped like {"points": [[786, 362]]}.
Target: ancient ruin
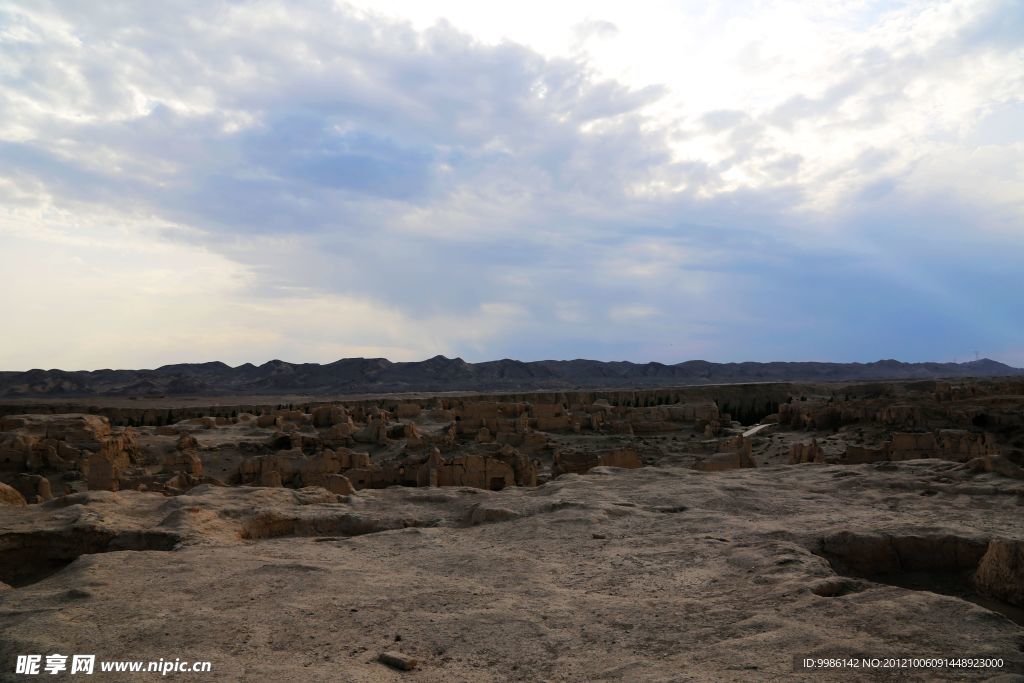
{"points": [[710, 508]]}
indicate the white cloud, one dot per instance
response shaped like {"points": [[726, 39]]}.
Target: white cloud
{"points": [[316, 180], [147, 307]]}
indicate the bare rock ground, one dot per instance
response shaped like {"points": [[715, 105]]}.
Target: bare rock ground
{"points": [[653, 574]]}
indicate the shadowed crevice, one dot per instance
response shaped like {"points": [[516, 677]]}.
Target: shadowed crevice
{"points": [[938, 563], [27, 558]]}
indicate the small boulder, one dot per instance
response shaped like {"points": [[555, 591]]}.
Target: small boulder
{"points": [[10, 496], [397, 660]]}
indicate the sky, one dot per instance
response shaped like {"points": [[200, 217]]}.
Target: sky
{"points": [[646, 181]]}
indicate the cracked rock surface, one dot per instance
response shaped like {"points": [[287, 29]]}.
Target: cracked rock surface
{"points": [[652, 574]]}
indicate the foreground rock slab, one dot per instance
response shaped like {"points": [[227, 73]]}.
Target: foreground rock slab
{"points": [[652, 574]]}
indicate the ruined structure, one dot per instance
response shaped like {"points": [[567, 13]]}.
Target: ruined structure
{"points": [[67, 444], [758, 499], [582, 461], [492, 442]]}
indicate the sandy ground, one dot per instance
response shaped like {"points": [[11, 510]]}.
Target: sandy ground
{"points": [[657, 574]]}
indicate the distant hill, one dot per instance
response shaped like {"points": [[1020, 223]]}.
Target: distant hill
{"points": [[379, 375]]}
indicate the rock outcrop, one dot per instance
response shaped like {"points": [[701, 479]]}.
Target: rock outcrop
{"points": [[10, 496], [1001, 571], [578, 461], [295, 469], [732, 454], [66, 443], [35, 488], [806, 452], [947, 444]]}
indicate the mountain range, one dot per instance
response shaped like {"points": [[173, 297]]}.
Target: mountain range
{"points": [[379, 375]]}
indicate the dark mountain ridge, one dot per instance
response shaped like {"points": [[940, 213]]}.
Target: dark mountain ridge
{"points": [[379, 375]]}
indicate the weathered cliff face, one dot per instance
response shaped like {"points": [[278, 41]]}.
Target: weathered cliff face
{"points": [[434, 442], [920, 406], [747, 402], [946, 444], [515, 439], [67, 443], [296, 469], [963, 422]]}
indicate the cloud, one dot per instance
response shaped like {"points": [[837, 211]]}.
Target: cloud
{"points": [[595, 28], [319, 180]]}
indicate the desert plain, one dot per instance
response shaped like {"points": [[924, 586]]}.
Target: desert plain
{"points": [[713, 533]]}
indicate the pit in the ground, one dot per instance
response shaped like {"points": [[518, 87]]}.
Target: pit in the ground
{"points": [[944, 564], [28, 558]]}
